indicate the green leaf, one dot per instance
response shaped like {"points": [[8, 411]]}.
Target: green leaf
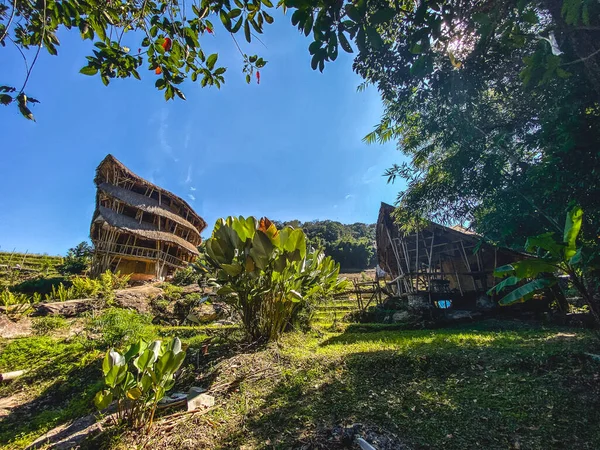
{"points": [[344, 42], [145, 360], [232, 269], [225, 19], [211, 60], [134, 393], [509, 281], [89, 70], [248, 38], [572, 227], [296, 241], [531, 268], [502, 271], [262, 249], [102, 399], [225, 290], [545, 242], [382, 15], [526, 291], [353, 13]]}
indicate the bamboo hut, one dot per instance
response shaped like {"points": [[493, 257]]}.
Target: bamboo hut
{"points": [[139, 228], [438, 263]]}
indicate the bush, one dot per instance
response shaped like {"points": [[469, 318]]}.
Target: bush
{"points": [[171, 292], [117, 327], [45, 325], [77, 261], [268, 275], [138, 379], [42, 286], [185, 277]]}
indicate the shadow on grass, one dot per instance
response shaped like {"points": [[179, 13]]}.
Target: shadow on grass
{"points": [[452, 397], [69, 396]]}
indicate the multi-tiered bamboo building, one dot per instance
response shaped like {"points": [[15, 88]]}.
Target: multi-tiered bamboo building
{"points": [[139, 228]]}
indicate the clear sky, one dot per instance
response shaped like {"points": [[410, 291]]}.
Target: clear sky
{"points": [[289, 148]]}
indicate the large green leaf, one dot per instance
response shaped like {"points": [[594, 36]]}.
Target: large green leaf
{"points": [[262, 249], [572, 227], [296, 241], [531, 268], [526, 291], [232, 269], [546, 242], [145, 360], [115, 375], [509, 281], [102, 399], [503, 271]]}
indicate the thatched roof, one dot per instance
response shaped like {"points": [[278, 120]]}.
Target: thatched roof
{"points": [[111, 160], [110, 218], [144, 203]]}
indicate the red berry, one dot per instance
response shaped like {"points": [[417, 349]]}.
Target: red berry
{"points": [[257, 77], [167, 44]]}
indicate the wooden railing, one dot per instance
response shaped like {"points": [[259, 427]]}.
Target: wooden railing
{"points": [[141, 252]]}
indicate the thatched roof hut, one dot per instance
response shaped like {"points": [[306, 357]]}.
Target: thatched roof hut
{"points": [[437, 261], [140, 228]]}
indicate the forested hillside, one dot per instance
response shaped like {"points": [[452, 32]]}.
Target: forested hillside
{"points": [[353, 245]]}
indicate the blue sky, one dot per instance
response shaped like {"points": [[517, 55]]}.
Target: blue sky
{"points": [[289, 148]]}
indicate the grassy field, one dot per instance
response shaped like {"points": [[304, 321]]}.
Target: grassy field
{"points": [[31, 263], [493, 385]]}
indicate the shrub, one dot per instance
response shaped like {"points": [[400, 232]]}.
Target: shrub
{"points": [[172, 292], [45, 325], [138, 379], [185, 277], [117, 327], [13, 302], [42, 286], [84, 287], [61, 293], [268, 275], [109, 282], [77, 261]]}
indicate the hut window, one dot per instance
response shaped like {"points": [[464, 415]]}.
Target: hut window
{"points": [[129, 211]]}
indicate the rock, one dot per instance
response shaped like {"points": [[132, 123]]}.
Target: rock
{"points": [[484, 302], [10, 329], [458, 314], [138, 298], [196, 399], [401, 316], [192, 289], [394, 303], [419, 302], [207, 312], [68, 308]]}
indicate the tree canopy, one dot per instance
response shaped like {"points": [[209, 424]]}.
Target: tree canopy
{"points": [[494, 102], [352, 245]]}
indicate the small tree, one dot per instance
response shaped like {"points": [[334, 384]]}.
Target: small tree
{"points": [[554, 257], [268, 275], [78, 259]]}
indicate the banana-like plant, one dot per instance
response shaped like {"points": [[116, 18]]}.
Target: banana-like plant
{"points": [[268, 275], [554, 257], [138, 379]]}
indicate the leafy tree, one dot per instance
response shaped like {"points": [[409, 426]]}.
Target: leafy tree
{"points": [[351, 253], [352, 246], [78, 259]]}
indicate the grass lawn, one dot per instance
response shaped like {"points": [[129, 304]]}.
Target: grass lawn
{"points": [[492, 385]]}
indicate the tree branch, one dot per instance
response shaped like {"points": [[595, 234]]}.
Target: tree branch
{"points": [[12, 16]]}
